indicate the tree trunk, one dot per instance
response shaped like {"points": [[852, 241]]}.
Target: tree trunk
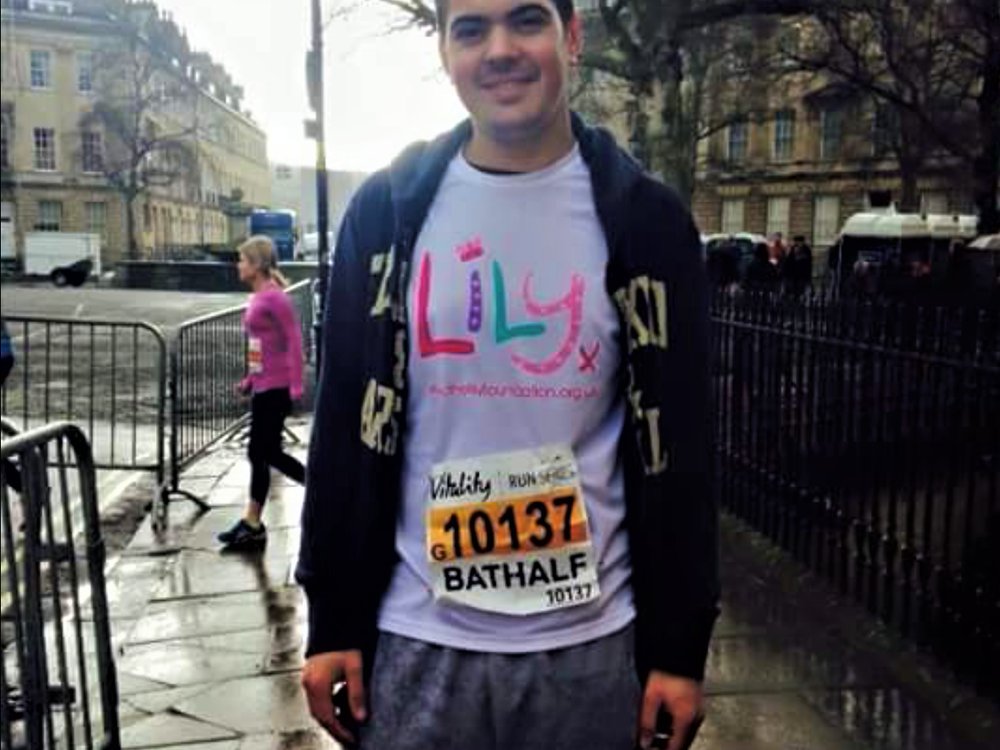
{"points": [[986, 170], [909, 200], [911, 150], [678, 131], [133, 246]]}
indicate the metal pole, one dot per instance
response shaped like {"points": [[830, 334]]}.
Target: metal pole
{"points": [[322, 187]]}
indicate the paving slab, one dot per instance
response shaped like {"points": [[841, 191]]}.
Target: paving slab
{"points": [[259, 705], [159, 701], [768, 721], [764, 662], [164, 730], [201, 572], [189, 662], [309, 739], [886, 718]]}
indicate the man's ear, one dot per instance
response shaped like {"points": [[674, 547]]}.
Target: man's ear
{"points": [[574, 38]]}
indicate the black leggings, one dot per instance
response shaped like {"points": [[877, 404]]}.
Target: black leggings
{"points": [[268, 410]]}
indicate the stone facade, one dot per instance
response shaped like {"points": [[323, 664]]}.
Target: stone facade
{"points": [[51, 80], [824, 162]]}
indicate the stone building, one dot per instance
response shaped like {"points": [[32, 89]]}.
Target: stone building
{"points": [[804, 160], [778, 150], [57, 69], [295, 188]]}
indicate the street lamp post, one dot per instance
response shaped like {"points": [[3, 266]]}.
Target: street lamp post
{"points": [[316, 130]]}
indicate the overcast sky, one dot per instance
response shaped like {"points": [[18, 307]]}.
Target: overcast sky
{"points": [[382, 91]]}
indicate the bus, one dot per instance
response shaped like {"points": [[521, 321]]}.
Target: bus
{"points": [[281, 226]]}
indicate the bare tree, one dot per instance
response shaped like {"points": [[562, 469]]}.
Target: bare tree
{"points": [[937, 66], [663, 52], [142, 109]]}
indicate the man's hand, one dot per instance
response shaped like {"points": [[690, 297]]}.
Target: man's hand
{"points": [[682, 698], [320, 673]]}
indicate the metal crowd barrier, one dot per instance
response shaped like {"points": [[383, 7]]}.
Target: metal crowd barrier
{"points": [[868, 445], [207, 360], [58, 686], [107, 376]]}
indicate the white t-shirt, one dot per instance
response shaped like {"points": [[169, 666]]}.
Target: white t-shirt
{"points": [[513, 348]]}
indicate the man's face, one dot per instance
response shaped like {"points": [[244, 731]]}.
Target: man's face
{"points": [[509, 61]]}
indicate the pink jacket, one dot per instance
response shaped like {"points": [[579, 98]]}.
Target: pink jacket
{"points": [[274, 343]]}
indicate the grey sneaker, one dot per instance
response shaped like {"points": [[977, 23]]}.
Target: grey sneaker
{"points": [[243, 536]]}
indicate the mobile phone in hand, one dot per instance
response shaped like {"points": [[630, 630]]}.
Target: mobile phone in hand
{"points": [[665, 730], [342, 710]]}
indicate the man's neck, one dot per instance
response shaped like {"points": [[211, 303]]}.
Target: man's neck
{"points": [[523, 156]]}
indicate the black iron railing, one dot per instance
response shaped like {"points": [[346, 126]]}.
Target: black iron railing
{"points": [[58, 686], [865, 439]]}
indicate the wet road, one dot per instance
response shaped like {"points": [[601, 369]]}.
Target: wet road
{"points": [[161, 308]]}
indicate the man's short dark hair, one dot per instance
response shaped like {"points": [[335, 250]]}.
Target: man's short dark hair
{"points": [[564, 7]]}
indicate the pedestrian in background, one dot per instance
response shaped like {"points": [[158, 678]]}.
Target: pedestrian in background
{"points": [[273, 382], [797, 269], [509, 533], [6, 352], [763, 273], [12, 475]]}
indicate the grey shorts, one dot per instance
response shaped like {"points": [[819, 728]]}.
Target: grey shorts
{"points": [[427, 697]]}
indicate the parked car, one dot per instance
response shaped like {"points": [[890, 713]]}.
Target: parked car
{"points": [[728, 256], [74, 274], [309, 247], [901, 255]]}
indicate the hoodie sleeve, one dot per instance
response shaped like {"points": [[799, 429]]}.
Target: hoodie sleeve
{"points": [[675, 544], [329, 561]]}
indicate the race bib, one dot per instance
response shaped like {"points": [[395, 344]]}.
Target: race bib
{"points": [[255, 356], [509, 533]]}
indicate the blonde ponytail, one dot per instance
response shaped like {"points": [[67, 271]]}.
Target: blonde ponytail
{"points": [[259, 250]]}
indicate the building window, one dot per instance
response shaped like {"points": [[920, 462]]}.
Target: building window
{"points": [[45, 149], [878, 199], [4, 156], [283, 172], [736, 150], [826, 219], [96, 215], [92, 152], [49, 216], [883, 130], [829, 133], [732, 215], [784, 134], [778, 214], [41, 69], [52, 6], [934, 203], [85, 72]]}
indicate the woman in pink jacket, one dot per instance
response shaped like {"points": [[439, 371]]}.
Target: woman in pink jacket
{"points": [[273, 382]]}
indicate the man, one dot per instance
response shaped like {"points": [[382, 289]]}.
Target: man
{"points": [[509, 512]]}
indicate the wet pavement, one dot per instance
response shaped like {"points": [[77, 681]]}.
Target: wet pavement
{"points": [[209, 645]]}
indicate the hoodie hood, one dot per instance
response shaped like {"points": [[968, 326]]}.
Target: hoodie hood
{"points": [[414, 176]]}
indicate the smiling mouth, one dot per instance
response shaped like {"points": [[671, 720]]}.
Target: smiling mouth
{"points": [[506, 83]]}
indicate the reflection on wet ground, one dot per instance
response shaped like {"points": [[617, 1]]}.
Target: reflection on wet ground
{"points": [[210, 646]]}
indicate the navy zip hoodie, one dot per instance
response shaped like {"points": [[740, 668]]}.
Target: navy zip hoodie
{"points": [[657, 279]]}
